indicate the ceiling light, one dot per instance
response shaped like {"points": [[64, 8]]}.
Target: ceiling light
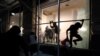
{"points": [[13, 14]]}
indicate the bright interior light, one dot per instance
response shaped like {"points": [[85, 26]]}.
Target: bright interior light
{"points": [[21, 28], [13, 14], [10, 26], [83, 29], [13, 22]]}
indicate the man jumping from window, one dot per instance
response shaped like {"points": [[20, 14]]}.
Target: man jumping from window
{"points": [[73, 29]]}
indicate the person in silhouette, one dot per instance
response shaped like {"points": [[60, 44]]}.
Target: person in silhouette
{"points": [[48, 34], [33, 43], [12, 42], [73, 30], [55, 29]]}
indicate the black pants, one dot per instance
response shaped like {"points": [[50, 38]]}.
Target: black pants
{"points": [[79, 38]]}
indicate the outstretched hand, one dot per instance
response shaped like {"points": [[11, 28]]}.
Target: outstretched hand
{"points": [[82, 20]]}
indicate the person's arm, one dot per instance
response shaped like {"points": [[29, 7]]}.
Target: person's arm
{"points": [[82, 22]]}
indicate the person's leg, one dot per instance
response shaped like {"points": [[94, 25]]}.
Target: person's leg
{"points": [[47, 39], [70, 41], [56, 37], [44, 39], [79, 38]]}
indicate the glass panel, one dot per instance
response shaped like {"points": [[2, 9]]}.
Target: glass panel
{"points": [[69, 14], [45, 48]]}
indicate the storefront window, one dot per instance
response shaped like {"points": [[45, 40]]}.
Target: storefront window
{"points": [[70, 13]]}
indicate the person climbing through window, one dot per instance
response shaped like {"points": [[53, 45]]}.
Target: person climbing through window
{"points": [[73, 29]]}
